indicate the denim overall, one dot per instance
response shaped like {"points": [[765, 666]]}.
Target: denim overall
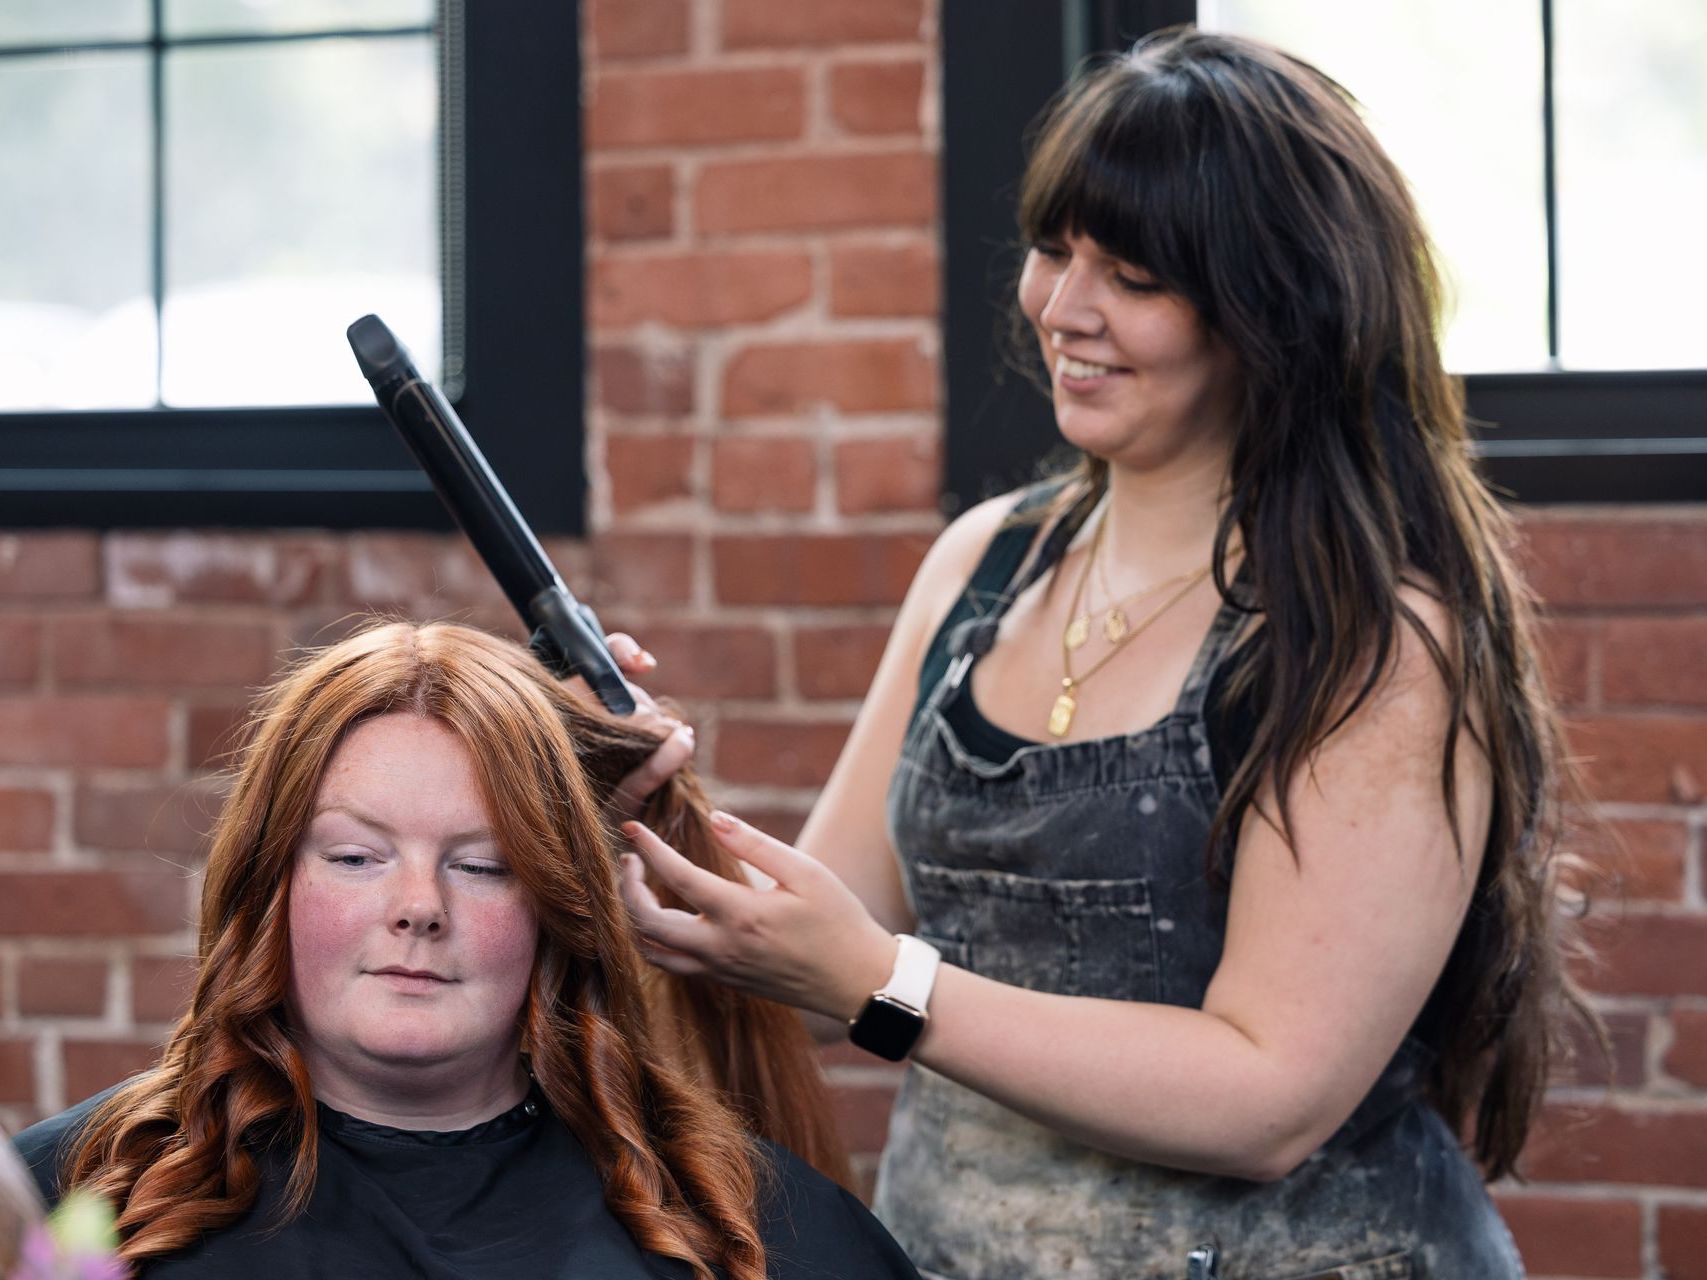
{"points": [[1079, 868]]}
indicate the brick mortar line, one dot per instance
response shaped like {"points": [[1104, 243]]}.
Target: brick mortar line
{"points": [[861, 1076], [818, 256], [855, 234], [50, 1071], [30, 776], [817, 122], [777, 150], [121, 990], [1646, 1192], [1647, 811], [1685, 709], [1662, 611], [741, 615], [681, 516], [1590, 513], [684, 515], [1659, 1005], [1651, 909], [79, 857], [769, 58], [596, 456], [787, 666], [702, 563], [787, 799], [1694, 855], [1648, 711], [899, 425], [705, 27], [805, 524], [1629, 1102], [803, 712], [1660, 1038], [64, 841], [822, 329], [256, 613]]}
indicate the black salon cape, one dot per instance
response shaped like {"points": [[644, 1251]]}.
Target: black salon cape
{"points": [[516, 1197]]}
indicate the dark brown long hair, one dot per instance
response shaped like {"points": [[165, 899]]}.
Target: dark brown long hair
{"points": [[1246, 182], [173, 1149]]}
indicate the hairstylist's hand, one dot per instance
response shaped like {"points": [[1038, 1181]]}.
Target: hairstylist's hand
{"points": [[673, 752], [806, 941]]}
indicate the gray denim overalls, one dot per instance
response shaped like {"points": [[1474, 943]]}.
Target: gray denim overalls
{"points": [[1079, 868]]}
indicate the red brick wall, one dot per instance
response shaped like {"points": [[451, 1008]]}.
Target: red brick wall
{"points": [[763, 436], [1620, 1173]]}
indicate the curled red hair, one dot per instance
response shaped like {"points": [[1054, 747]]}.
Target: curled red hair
{"points": [[662, 1080]]}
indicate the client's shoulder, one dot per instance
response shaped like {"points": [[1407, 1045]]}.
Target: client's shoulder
{"points": [[813, 1227], [44, 1145]]}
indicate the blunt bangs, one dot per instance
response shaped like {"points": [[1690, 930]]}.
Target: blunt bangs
{"points": [[1115, 159]]}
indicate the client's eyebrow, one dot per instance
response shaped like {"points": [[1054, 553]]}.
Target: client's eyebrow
{"points": [[368, 820]]}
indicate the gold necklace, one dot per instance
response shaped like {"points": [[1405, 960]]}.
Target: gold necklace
{"points": [[1115, 623], [1066, 704]]}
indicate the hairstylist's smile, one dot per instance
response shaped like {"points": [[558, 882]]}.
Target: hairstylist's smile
{"points": [[1082, 374]]}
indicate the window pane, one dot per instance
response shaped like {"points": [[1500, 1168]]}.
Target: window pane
{"points": [[301, 194], [69, 21], [1630, 84], [1453, 90], [76, 308], [232, 17]]}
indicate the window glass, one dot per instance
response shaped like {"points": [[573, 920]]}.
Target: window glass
{"points": [[1630, 87], [301, 194], [241, 17], [30, 22], [1453, 89], [77, 326]]}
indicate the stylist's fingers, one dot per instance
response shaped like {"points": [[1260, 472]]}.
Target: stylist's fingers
{"points": [[785, 864], [669, 938], [657, 769], [633, 660], [699, 888]]}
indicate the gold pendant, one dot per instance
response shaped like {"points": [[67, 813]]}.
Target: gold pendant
{"points": [[1078, 631], [1115, 626], [1061, 716]]}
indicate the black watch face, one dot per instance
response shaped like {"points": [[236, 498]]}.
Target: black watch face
{"points": [[887, 1028]]}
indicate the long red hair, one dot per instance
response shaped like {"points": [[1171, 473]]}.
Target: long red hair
{"points": [[662, 1080]]}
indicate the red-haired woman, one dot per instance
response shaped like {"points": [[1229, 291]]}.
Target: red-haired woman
{"points": [[422, 1041]]}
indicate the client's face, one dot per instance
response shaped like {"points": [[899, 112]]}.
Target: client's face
{"points": [[410, 941]]}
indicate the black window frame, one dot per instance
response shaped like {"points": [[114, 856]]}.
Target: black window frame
{"points": [[518, 176], [1635, 436]]}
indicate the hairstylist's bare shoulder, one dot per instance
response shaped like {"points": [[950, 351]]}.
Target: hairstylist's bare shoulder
{"points": [[950, 562]]}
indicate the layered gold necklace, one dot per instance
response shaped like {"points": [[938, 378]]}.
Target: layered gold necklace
{"points": [[1117, 629], [1115, 624]]}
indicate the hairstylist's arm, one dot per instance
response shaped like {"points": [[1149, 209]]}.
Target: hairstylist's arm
{"points": [[1329, 957]]}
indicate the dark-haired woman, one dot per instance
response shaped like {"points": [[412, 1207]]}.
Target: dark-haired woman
{"points": [[1218, 774]]}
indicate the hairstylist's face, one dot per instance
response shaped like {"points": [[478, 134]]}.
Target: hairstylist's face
{"points": [[411, 943], [1137, 377]]}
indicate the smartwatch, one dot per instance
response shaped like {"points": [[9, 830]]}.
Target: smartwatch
{"points": [[894, 1017]]}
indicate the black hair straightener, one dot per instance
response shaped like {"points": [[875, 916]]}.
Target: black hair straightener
{"points": [[566, 634]]}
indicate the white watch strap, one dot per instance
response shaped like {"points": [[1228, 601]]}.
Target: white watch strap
{"points": [[915, 972]]}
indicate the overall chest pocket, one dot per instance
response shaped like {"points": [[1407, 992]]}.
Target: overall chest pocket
{"points": [[1070, 937]]}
